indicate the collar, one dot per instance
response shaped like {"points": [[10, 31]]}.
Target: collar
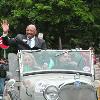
{"points": [[31, 38]]}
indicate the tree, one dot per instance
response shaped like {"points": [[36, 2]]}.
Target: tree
{"points": [[69, 19]]}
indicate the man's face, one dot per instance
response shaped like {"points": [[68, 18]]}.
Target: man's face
{"points": [[30, 31]]}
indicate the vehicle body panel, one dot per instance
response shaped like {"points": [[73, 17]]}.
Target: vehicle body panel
{"points": [[62, 70]]}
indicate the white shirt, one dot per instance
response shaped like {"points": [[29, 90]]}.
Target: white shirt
{"points": [[31, 42]]}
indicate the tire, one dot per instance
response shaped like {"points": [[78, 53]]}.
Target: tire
{"points": [[7, 97], [12, 95]]}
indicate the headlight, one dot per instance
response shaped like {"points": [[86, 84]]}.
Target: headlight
{"points": [[51, 93]]}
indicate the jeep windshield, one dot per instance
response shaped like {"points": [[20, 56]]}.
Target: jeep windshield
{"points": [[56, 60]]}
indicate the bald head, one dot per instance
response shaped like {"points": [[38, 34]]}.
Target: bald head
{"points": [[31, 31], [32, 27]]}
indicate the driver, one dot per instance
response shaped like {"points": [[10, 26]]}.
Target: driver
{"points": [[65, 61]]}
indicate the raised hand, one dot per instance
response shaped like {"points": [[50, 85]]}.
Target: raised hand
{"points": [[5, 26]]}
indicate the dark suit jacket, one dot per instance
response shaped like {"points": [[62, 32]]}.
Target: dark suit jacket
{"points": [[21, 42]]}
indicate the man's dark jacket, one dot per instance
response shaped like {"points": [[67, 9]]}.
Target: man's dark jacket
{"points": [[21, 42]]}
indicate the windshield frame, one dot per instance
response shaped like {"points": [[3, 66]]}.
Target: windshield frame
{"points": [[54, 71]]}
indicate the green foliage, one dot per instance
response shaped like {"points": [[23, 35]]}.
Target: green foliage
{"points": [[54, 18]]}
